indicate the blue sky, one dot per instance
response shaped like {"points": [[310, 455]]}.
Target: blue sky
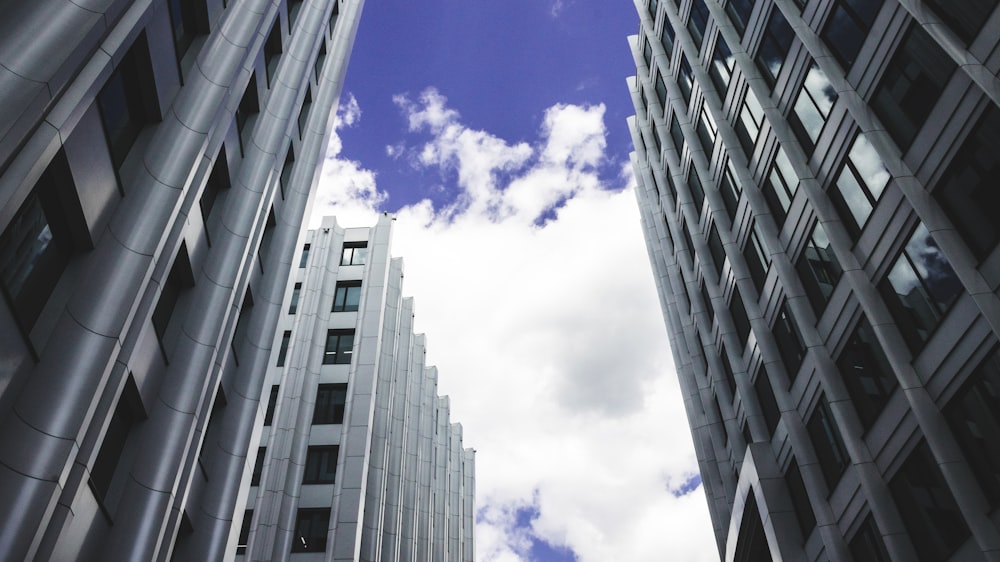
{"points": [[496, 133]]}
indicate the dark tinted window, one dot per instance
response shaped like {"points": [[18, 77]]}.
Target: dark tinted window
{"points": [[339, 347], [866, 373], [698, 20], [321, 465], [286, 338], [330, 401], [964, 17], [739, 12], [716, 249], [347, 296], [127, 99], [867, 543], [829, 445], [272, 403], [800, 499], [768, 404], [774, 46], [818, 269], [758, 258], [848, 26], [974, 416], [780, 186], [311, 526], [789, 340]]}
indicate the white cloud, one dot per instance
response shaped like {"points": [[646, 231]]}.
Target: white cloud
{"points": [[537, 299]]}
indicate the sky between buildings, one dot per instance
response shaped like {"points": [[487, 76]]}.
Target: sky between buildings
{"points": [[496, 133]]}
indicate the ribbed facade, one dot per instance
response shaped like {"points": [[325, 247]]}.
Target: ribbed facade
{"points": [[157, 159], [358, 459], [818, 188]]}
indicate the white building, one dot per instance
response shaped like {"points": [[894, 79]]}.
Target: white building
{"points": [[358, 459]]}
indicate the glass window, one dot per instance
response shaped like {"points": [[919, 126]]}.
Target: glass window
{"points": [[974, 417], [749, 124], [911, 85], [304, 113], [218, 181], [739, 12], [929, 512], [258, 466], [768, 405], [800, 499], [818, 268], [707, 131], [758, 257], [187, 23], [304, 259], [647, 54], [789, 340], [707, 301], [311, 527], [721, 69], [286, 170], [866, 373], [178, 279], [246, 114], [294, 304], [294, 6], [339, 347], [919, 288], [272, 52], [123, 100], [967, 191], [667, 40], [829, 446], [244, 540], [661, 91], [716, 249], [330, 401], [859, 186], [964, 17], [355, 253], [867, 543], [740, 318], [333, 17], [272, 403], [780, 187], [286, 338], [321, 465], [321, 61], [106, 464], [774, 47], [848, 26], [731, 190], [697, 21], [727, 371], [697, 191], [677, 134], [812, 107], [685, 79], [347, 296]]}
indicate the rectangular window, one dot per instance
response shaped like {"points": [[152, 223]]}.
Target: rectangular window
{"points": [[749, 124], [685, 79], [739, 313], [126, 101], [258, 466], [920, 288], [929, 512], [320, 61], [311, 528], [347, 296], [218, 182], [321, 465], [272, 52], [707, 131], [716, 249], [697, 21], [187, 23], [829, 445], [304, 112], [647, 54], [780, 187], [697, 191], [286, 338], [848, 26], [964, 17], [355, 253], [727, 371], [246, 114], [707, 301], [818, 269], [739, 12], [731, 190], [676, 134], [651, 7], [304, 259], [330, 401], [339, 347], [667, 40], [272, 403], [812, 107], [789, 340], [661, 91], [860, 183], [178, 280], [294, 7], [974, 417], [124, 418], [911, 85], [774, 47], [284, 180], [758, 258], [800, 499], [244, 539], [293, 305], [967, 191], [333, 17], [768, 405], [866, 372], [867, 543], [721, 69]]}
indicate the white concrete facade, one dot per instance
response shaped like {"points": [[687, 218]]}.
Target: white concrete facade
{"points": [[403, 485], [157, 158]]}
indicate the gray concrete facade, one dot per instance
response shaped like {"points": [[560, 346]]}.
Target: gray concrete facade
{"points": [[358, 459], [817, 187], [157, 160]]}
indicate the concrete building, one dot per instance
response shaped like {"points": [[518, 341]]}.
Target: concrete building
{"points": [[358, 460], [817, 184], [157, 158]]}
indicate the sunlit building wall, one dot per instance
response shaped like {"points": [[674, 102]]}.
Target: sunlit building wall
{"points": [[358, 459], [157, 159], [817, 182]]}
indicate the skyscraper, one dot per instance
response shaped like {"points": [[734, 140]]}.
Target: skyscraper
{"points": [[156, 162], [358, 459], [817, 184]]}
